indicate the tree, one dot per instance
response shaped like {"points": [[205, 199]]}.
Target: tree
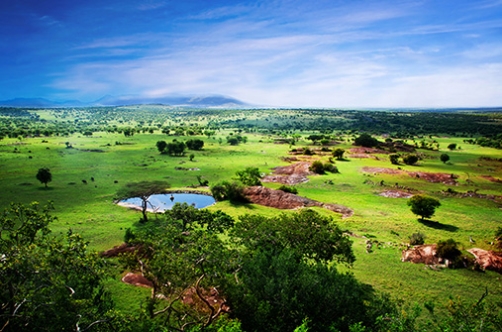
{"points": [[423, 206], [250, 176], [338, 153], [232, 191], [410, 159], [44, 175], [444, 158], [185, 263], [394, 159], [452, 146], [195, 144], [175, 148], [143, 190], [288, 274], [49, 283], [161, 146], [366, 140]]}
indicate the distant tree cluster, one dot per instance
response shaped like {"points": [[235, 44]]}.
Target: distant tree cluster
{"points": [[175, 148]]}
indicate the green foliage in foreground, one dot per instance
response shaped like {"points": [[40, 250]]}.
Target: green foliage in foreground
{"points": [[49, 284]]}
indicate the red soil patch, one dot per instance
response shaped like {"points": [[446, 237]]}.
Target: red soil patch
{"points": [[291, 174], [491, 178], [381, 170], [137, 279], [115, 251], [366, 151], [487, 260], [283, 200], [449, 179]]}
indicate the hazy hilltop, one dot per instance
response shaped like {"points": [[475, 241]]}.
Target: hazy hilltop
{"points": [[216, 101]]}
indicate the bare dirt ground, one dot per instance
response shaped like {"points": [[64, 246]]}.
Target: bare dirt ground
{"points": [[361, 152], [491, 178], [396, 194], [291, 174], [136, 279], [283, 200], [429, 177]]}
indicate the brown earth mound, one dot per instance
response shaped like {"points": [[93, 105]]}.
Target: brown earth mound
{"points": [[137, 279], [115, 251], [491, 178], [449, 179], [426, 254], [291, 174], [283, 200], [487, 260]]}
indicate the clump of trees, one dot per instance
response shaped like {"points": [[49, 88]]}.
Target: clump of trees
{"points": [[423, 206], [236, 139], [195, 144], [49, 282], [366, 140], [175, 148], [410, 159]]}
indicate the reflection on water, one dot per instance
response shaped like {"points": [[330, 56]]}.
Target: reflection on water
{"points": [[162, 202]]}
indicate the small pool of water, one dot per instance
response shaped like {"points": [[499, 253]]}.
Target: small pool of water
{"points": [[162, 202]]}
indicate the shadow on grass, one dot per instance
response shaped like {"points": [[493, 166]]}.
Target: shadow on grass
{"points": [[45, 188], [438, 225], [247, 205]]}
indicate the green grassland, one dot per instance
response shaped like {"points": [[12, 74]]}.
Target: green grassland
{"points": [[113, 159]]}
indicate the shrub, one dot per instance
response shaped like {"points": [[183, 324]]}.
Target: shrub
{"points": [[394, 159], [410, 159], [417, 239], [288, 189], [317, 167], [328, 167], [366, 140], [448, 250]]}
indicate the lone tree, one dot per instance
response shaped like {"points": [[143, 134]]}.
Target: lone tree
{"points": [[44, 175], [452, 146], [338, 153], [250, 176], [444, 158], [423, 206], [143, 190]]}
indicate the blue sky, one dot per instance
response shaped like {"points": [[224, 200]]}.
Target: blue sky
{"points": [[431, 53]]}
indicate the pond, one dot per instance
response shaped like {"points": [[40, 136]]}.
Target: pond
{"points": [[162, 202]]}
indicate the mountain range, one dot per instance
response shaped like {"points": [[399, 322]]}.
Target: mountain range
{"points": [[214, 101]]}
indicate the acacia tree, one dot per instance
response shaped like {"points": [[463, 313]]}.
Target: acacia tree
{"points": [[423, 206], [44, 175], [143, 190]]}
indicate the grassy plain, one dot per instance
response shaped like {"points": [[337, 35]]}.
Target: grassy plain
{"points": [[113, 160]]}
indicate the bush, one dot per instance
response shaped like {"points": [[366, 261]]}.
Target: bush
{"points": [[231, 191], [410, 159], [417, 239], [448, 250], [288, 189], [317, 167], [394, 159], [330, 168]]}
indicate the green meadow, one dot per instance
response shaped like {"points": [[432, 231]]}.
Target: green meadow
{"points": [[113, 159]]}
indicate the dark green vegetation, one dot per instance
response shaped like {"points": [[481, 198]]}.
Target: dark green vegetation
{"points": [[423, 206], [322, 275]]}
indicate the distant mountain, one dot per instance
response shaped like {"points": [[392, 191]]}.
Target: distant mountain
{"points": [[187, 101]]}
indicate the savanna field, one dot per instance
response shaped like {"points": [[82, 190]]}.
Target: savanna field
{"points": [[93, 153]]}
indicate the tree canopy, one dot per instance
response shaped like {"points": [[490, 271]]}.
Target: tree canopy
{"points": [[423, 206], [143, 190], [44, 175]]}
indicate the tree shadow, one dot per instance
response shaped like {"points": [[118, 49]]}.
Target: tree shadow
{"points": [[438, 225], [45, 188]]}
